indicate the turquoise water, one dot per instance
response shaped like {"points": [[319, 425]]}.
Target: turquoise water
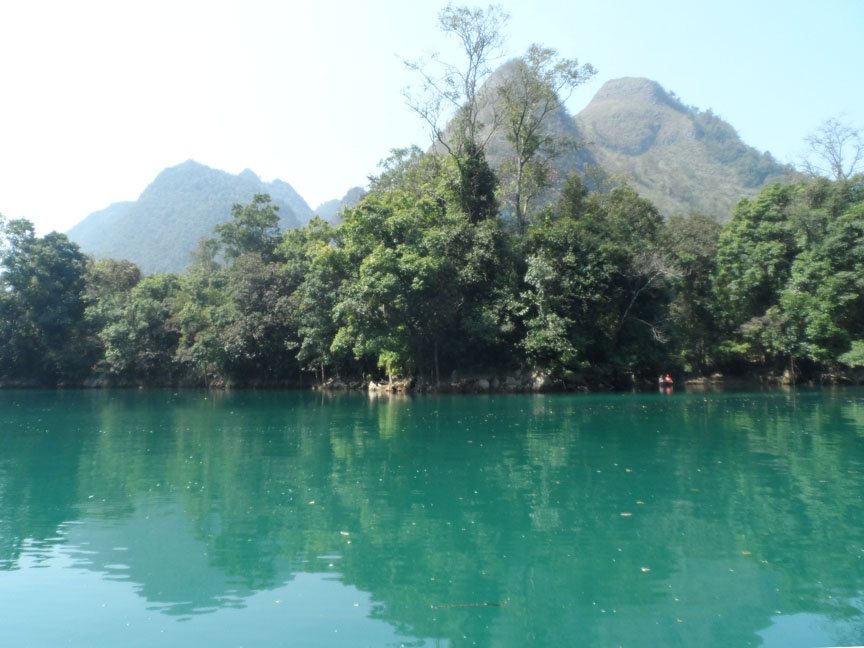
{"points": [[143, 518]]}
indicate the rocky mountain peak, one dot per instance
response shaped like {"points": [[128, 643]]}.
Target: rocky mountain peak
{"points": [[681, 158], [182, 204], [635, 91]]}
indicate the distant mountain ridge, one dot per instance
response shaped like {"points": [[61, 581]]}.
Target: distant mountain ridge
{"points": [[332, 210], [680, 158], [183, 204]]}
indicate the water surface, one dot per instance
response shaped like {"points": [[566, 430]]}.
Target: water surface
{"points": [[143, 518]]}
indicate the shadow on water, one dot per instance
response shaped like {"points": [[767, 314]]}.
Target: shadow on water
{"points": [[651, 520]]}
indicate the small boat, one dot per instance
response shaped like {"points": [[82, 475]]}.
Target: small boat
{"points": [[665, 381]]}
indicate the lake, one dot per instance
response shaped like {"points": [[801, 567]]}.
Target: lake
{"points": [[144, 518]]}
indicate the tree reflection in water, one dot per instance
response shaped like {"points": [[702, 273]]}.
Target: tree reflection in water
{"points": [[497, 520]]}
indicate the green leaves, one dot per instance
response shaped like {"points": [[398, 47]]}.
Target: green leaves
{"points": [[140, 333], [596, 281], [254, 228], [855, 356], [789, 280], [42, 305]]}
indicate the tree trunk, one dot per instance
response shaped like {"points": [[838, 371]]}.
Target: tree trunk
{"points": [[520, 216]]}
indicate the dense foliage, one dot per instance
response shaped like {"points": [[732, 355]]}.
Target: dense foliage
{"points": [[416, 282]]}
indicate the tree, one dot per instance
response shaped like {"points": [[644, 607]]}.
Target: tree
{"points": [[565, 292], [836, 150], [252, 228], [855, 356], [141, 334], [824, 297], [450, 101], [206, 310], [597, 282], [315, 263], [789, 280], [692, 243], [408, 169], [109, 283], [534, 88], [238, 323], [755, 252], [423, 287], [41, 304], [258, 320]]}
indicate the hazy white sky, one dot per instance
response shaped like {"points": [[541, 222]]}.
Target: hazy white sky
{"points": [[97, 97]]}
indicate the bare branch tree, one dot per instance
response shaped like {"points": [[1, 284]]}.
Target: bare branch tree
{"points": [[836, 150], [649, 269], [448, 100]]}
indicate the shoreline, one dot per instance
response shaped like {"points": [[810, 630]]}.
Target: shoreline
{"points": [[514, 382]]}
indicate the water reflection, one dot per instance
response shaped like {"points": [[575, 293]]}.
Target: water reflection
{"points": [[678, 520], [83, 608]]}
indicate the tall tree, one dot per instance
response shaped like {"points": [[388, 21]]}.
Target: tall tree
{"points": [[534, 88], [692, 244], [41, 299], [315, 263], [450, 101]]}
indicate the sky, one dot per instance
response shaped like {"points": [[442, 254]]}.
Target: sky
{"points": [[97, 97]]}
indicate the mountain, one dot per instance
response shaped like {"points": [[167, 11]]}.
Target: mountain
{"points": [[679, 157], [328, 209], [331, 211], [182, 205]]}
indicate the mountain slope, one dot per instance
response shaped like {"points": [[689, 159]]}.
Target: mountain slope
{"points": [[680, 158], [331, 211], [183, 204]]}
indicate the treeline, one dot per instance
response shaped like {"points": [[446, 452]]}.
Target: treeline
{"points": [[428, 275]]}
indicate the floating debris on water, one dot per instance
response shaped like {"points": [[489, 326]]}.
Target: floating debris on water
{"points": [[442, 606]]}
